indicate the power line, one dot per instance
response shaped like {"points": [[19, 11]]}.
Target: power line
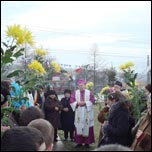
{"points": [[85, 53], [84, 34]]}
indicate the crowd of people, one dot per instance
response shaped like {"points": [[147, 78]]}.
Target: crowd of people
{"points": [[34, 125]]}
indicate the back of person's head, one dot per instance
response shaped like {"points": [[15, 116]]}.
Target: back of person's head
{"points": [[121, 96], [46, 129], [148, 87], [30, 114], [113, 147], [113, 96], [6, 84], [22, 139], [129, 106]]}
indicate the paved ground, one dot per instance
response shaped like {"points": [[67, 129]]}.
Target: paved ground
{"points": [[59, 146]]}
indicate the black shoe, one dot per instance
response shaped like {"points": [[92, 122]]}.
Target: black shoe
{"points": [[72, 140], [65, 139], [78, 145], [87, 146]]}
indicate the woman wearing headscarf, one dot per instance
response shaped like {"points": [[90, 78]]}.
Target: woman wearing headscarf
{"points": [[52, 109], [67, 115]]}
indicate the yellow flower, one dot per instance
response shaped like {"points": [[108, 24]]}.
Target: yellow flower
{"points": [[126, 65], [56, 67], [40, 52], [13, 31], [130, 95], [89, 85], [104, 90], [28, 38], [136, 83], [37, 67], [126, 94], [21, 36], [20, 40]]}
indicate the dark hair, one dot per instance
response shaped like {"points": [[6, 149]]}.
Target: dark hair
{"points": [[118, 83], [113, 147], [46, 129], [129, 106], [67, 91], [148, 87], [50, 92], [30, 114], [6, 84], [120, 96], [113, 96], [21, 139]]}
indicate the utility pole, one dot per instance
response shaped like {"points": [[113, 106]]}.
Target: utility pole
{"points": [[94, 64]]}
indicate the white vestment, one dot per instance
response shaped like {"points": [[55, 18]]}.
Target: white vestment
{"points": [[83, 115]]}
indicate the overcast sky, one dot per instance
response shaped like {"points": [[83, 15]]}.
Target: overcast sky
{"points": [[121, 30]]}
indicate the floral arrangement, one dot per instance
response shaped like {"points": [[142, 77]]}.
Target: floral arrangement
{"points": [[33, 75], [106, 90], [134, 94], [37, 67], [56, 67], [126, 66], [40, 52], [89, 85], [21, 36]]}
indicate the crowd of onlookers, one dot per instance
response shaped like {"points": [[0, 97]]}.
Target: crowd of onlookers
{"points": [[33, 125], [118, 124]]}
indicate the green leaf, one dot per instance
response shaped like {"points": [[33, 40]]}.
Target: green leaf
{"points": [[25, 98], [15, 73], [5, 44], [8, 53], [12, 48], [19, 53], [128, 83], [2, 51], [7, 57], [8, 109], [135, 76]]}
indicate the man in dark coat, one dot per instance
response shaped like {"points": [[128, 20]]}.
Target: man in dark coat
{"points": [[67, 115], [115, 130], [52, 109]]}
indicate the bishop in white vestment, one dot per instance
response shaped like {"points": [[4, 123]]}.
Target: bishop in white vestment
{"points": [[82, 101]]}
